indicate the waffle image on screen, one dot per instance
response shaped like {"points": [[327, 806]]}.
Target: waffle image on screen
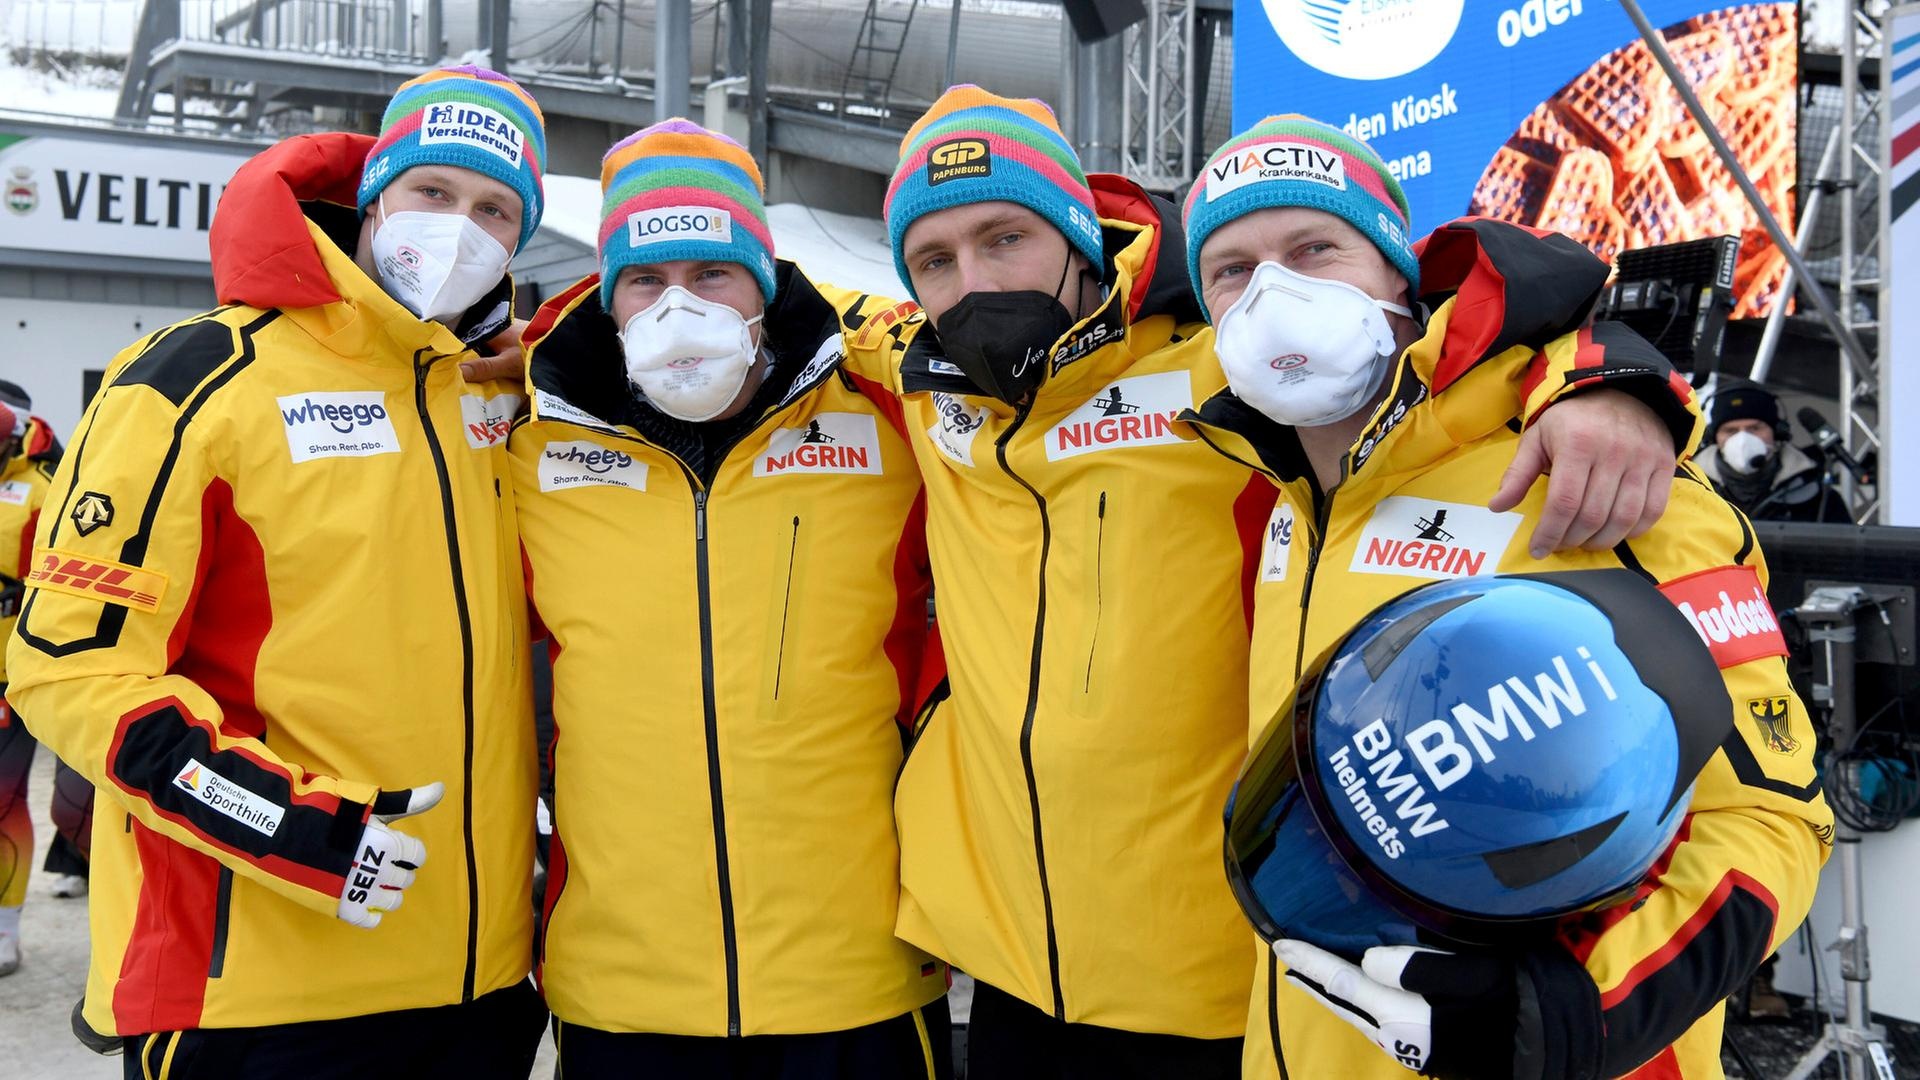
{"points": [[1615, 160]]}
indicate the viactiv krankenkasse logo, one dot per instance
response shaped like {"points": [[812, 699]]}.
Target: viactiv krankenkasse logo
{"points": [[1365, 39]]}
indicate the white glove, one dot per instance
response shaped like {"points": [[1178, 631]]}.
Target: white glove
{"points": [[385, 860], [1370, 995]]}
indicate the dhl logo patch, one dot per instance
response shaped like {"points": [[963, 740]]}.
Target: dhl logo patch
{"points": [[96, 579]]}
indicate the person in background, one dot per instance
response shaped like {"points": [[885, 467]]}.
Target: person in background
{"points": [[1753, 465], [28, 454], [277, 609]]}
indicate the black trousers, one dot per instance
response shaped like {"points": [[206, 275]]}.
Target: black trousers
{"points": [[910, 1046], [1008, 1039], [493, 1037]]}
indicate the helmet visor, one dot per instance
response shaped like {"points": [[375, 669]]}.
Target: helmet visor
{"points": [[1288, 877]]}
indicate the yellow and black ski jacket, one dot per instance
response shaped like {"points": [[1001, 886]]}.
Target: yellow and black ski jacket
{"points": [[276, 576], [737, 648], [1410, 508], [25, 479], [1059, 813]]}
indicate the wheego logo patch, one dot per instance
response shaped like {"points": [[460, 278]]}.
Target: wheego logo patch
{"points": [[1277, 547], [476, 126], [588, 464], [1428, 539], [488, 420], [351, 423], [1372, 39], [680, 223], [97, 579], [828, 443], [229, 798], [1131, 412], [1276, 161], [958, 423], [957, 159], [1727, 609]]}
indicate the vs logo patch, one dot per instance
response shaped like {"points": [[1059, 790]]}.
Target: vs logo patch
{"points": [[91, 511], [1770, 715]]}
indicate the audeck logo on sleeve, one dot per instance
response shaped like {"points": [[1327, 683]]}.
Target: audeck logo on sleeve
{"points": [[588, 464], [349, 423], [679, 223], [828, 443], [1277, 547], [473, 125], [15, 492], [1428, 539], [488, 420], [97, 579], [226, 797], [1139, 411], [1728, 610]]}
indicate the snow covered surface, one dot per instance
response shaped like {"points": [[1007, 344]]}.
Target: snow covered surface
{"points": [[840, 249], [87, 93]]}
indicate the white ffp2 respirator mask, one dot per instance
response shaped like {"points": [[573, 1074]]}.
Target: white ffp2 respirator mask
{"points": [[688, 356], [436, 265], [1744, 452], [1305, 351]]}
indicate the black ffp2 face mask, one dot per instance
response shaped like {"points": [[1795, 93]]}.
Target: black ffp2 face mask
{"points": [[1000, 340]]}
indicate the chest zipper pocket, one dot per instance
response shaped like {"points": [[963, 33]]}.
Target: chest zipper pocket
{"points": [[786, 608], [1099, 589]]}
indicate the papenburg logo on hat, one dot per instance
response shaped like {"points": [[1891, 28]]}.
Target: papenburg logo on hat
{"points": [[1365, 39], [957, 159]]}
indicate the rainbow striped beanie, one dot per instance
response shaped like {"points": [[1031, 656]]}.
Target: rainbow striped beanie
{"points": [[1294, 161], [468, 117], [973, 147], [678, 191]]}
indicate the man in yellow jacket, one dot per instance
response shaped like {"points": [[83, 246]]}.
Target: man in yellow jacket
{"points": [[1059, 812], [274, 606], [28, 454], [1380, 384], [723, 535]]}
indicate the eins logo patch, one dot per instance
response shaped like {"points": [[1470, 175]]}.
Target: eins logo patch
{"points": [[94, 579], [958, 159]]}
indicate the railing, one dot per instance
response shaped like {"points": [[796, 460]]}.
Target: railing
{"points": [[382, 30]]}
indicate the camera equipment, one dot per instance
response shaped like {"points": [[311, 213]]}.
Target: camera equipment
{"points": [[1858, 611], [1676, 296]]}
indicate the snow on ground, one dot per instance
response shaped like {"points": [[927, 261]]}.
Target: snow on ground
{"points": [[841, 249], [86, 93]]}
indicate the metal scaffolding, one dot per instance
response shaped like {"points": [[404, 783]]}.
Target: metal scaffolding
{"points": [[1158, 108]]}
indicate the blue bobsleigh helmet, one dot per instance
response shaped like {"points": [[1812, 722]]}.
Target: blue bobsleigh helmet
{"points": [[1474, 760]]}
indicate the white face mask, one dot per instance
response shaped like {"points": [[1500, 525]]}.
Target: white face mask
{"points": [[1305, 351], [689, 356], [436, 265], [1744, 452]]}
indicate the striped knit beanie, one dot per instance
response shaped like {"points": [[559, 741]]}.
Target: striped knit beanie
{"points": [[1294, 161], [678, 191], [973, 147], [467, 117]]}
